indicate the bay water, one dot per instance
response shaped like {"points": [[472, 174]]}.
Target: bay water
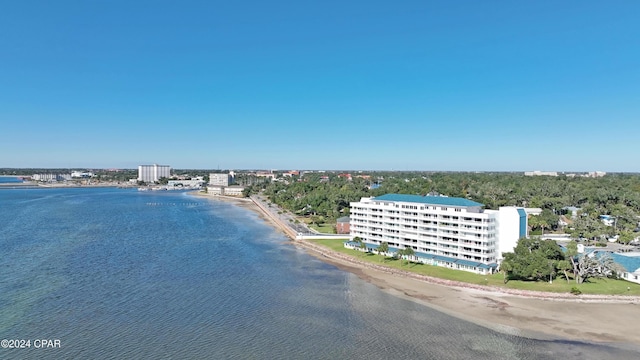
{"points": [[123, 274]]}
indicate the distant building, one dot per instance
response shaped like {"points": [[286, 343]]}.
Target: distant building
{"points": [[81, 174], [216, 179], [225, 190], [266, 174], [233, 190], [595, 174], [342, 225], [51, 177], [444, 231], [541, 173], [153, 173], [196, 182], [291, 173]]}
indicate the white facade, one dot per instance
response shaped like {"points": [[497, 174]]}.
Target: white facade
{"points": [[225, 190], [540, 173], [81, 174], [511, 226], [51, 177], [216, 179], [233, 190], [193, 183], [153, 173], [452, 232]]}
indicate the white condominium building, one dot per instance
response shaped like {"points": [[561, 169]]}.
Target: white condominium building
{"points": [[152, 173], [444, 231]]}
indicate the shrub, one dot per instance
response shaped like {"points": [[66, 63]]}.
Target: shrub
{"points": [[575, 291]]}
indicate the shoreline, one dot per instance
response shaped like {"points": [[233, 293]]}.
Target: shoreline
{"points": [[598, 319]]}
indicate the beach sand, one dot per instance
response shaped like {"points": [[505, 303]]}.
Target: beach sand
{"points": [[610, 320]]}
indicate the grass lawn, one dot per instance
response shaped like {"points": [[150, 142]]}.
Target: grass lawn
{"points": [[560, 285], [323, 228]]}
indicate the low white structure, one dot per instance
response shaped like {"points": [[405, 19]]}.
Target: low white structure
{"points": [[225, 190], [444, 231], [193, 183], [81, 174], [540, 173], [630, 262], [233, 190]]}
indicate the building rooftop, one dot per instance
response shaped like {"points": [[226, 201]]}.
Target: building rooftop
{"points": [[629, 263], [433, 200]]}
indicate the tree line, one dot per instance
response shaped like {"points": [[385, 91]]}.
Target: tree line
{"points": [[327, 195], [535, 259]]}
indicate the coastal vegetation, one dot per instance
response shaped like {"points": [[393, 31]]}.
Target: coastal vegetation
{"points": [[535, 260], [596, 286], [324, 197]]}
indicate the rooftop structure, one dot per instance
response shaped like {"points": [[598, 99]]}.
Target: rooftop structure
{"points": [[433, 200]]}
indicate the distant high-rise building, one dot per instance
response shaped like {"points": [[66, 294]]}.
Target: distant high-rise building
{"points": [[216, 179], [153, 173]]}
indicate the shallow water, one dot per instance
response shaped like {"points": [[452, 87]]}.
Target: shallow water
{"points": [[115, 273]]}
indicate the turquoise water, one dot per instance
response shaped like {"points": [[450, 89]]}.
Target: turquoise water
{"points": [[116, 273]]}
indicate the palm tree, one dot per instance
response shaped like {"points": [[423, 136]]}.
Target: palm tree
{"points": [[408, 251], [383, 249], [565, 266], [358, 240], [506, 267]]}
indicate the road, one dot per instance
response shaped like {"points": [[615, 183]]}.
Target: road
{"points": [[284, 216]]}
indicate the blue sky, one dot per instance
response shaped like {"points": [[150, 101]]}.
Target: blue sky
{"points": [[385, 85]]}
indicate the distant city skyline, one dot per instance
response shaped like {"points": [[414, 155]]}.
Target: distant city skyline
{"points": [[357, 85]]}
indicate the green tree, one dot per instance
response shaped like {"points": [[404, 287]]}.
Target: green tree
{"points": [[565, 266], [538, 222], [408, 251], [532, 259], [572, 255], [549, 219], [383, 249], [626, 237], [360, 242], [506, 267]]}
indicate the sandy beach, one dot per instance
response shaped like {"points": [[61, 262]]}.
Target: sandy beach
{"points": [[598, 319]]}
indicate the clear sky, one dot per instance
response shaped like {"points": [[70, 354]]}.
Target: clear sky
{"points": [[386, 85]]}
